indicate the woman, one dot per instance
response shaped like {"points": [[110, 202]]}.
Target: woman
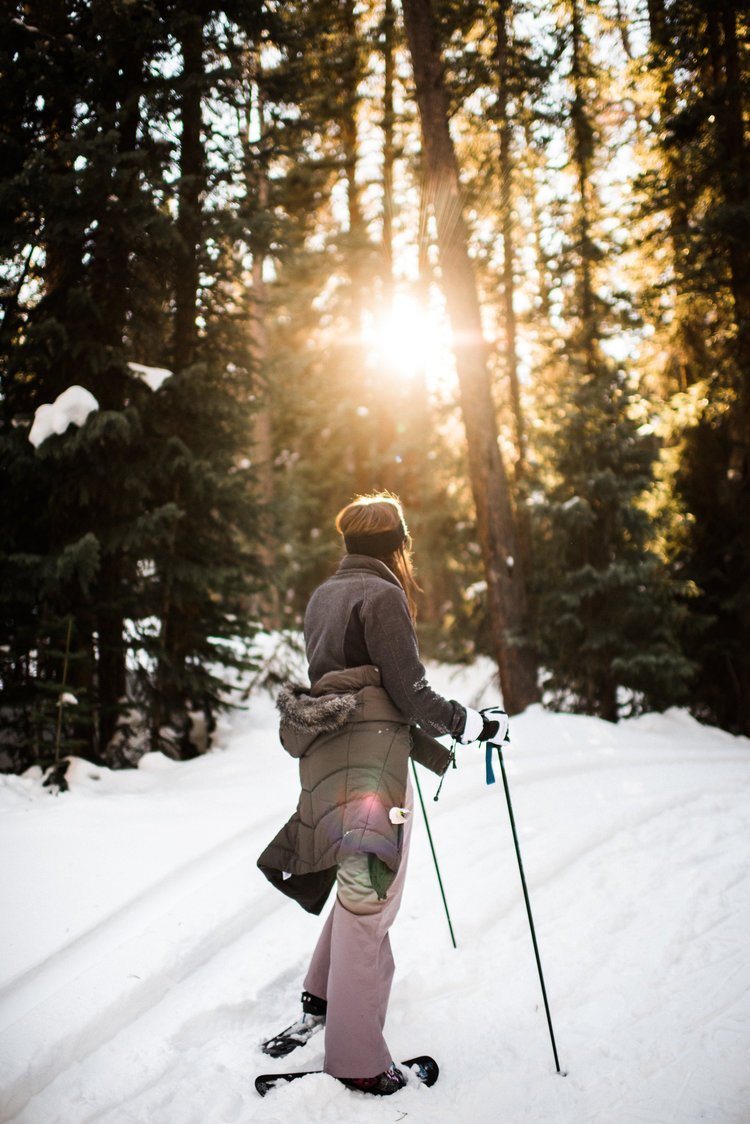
{"points": [[369, 708]]}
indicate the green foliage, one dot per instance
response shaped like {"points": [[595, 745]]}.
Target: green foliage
{"points": [[698, 192], [713, 554], [140, 522], [607, 616]]}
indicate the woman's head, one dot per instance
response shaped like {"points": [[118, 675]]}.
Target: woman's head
{"points": [[375, 525]]}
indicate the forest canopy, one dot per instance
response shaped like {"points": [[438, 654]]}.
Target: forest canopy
{"points": [[492, 258]]}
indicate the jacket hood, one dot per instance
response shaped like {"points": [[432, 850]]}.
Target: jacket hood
{"points": [[325, 708], [308, 714]]}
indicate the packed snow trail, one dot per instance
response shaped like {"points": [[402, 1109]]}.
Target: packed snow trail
{"points": [[144, 958]]}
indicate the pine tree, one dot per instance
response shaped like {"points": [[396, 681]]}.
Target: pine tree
{"points": [[605, 611], [62, 216], [146, 508], [699, 61]]}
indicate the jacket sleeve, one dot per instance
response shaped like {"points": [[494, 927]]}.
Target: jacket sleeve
{"points": [[392, 645]]}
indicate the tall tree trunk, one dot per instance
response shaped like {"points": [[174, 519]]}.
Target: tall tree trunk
{"points": [[534, 161], [503, 566], [734, 175], [256, 180], [112, 282], [263, 430], [602, 690], [622, 27], [503, 20], [506, 226], [735, 184], [389, 147], [63, 268], [168, 701], [690, 361], [583, 138], [363, 450], [63, 274], [190, 186], [350, 138]]}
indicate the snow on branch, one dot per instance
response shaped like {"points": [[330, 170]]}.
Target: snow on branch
{"points": [[152, 376], [72, 407]]}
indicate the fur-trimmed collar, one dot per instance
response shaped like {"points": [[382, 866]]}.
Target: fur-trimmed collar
{"points": [[308, 714]]}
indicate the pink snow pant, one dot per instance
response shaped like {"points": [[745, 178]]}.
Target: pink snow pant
{"points": [[352, 967]]}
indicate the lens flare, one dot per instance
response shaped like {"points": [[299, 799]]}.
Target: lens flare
{"points": [[406, 338]]}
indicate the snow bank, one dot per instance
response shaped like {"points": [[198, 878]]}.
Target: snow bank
{"points": [[72, 407], [144, 957]]}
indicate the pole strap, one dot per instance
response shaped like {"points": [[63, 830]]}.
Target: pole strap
{"points": [[490, 772]]}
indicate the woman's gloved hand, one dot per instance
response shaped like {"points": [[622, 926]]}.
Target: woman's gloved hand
{"points": [[485, 725], [495, 726]]}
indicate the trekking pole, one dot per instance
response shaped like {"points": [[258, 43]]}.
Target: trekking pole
{"points": [[432, 848], [491, 780]]}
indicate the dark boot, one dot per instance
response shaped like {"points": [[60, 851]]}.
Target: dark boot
{"points": [[386, 1083]]}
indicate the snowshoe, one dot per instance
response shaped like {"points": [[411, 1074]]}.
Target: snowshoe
{"points": [[424, 1068]]}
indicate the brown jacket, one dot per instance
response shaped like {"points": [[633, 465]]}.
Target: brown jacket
{"points": [[353, 747]]}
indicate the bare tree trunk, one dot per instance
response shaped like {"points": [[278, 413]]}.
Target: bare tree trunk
{"points": [[503, 566], [504, 48], [363, 451], [112, 282], [583, 140], [251, 116], [62, 273], [689, 362], [349, 135], [389, 147], [602, 692], [171, 662], [394, 473], [734, 175], [735, 183], [262, 427], [533, 162], [506, 226], [62, 270], [192, 175], [256, 179], [622, 27]]}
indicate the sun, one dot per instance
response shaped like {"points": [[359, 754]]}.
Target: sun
{"points": [[407, 339]]}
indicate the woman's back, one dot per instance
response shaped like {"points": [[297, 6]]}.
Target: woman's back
{"points": [[361, 616]]}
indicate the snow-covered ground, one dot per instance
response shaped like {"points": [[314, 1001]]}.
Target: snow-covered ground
{"points": [[144, 957]]}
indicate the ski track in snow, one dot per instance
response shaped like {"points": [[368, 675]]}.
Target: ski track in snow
{"points": [[634, 842]]}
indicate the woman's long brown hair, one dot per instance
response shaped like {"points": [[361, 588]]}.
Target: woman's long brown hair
{"points": [[382, 511]]}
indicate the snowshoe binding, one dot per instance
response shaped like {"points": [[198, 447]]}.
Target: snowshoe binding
{"points": [[386, 1083], [312, 1019]]}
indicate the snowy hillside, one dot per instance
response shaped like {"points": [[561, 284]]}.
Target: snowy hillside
{"points": [[144, 957]]}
